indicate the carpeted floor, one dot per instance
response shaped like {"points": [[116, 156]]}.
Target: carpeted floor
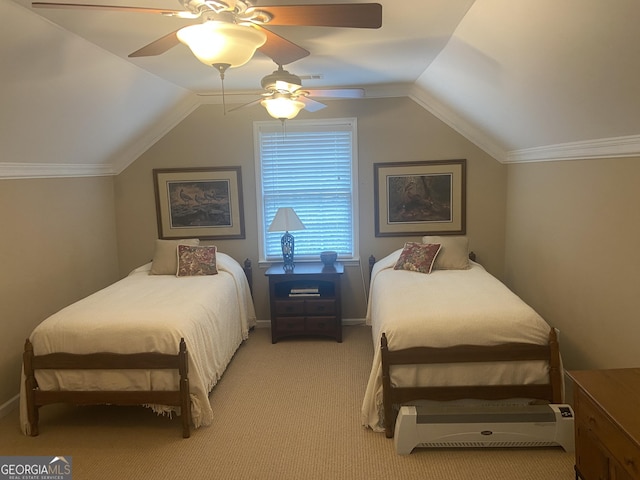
{"points": [[284, 411]]}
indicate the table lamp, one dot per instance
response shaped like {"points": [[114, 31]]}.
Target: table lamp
{"points": [[284, 221]]}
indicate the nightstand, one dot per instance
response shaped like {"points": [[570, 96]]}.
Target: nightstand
{"points": [[305, 301]]}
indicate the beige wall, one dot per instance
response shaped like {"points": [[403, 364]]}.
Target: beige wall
{"points": [[572, 253], [388, 130], [58, 244]]}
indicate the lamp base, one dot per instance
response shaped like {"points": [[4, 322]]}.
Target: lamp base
{"points": [[288, 245]]}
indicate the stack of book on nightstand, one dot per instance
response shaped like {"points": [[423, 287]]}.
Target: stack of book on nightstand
{"points": [[308, 291]]}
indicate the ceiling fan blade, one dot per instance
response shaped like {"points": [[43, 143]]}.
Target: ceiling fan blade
{"points": [[114, 8], [356, 15], [335, 92], [245, 105], [281, 50], [157, 47], [311, 105]]}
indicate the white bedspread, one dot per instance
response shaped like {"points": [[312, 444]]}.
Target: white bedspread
{"points": [[151, 313], [441, 309]]}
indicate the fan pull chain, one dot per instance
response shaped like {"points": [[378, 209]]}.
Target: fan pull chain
{"points": [[222, 67]]}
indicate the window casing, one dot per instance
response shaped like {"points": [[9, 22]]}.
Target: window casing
{"points": [[311, 166]]}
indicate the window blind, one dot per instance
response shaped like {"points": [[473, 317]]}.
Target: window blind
{"points": [[308, 166]]}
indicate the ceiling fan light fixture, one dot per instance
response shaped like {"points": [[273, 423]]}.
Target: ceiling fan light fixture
{"points": [[282, 107], [281, 81], [216, 42]]}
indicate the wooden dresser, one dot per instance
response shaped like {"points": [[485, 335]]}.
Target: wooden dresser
{"points": [[607, 422]]}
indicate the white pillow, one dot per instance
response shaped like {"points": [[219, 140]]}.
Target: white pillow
{"points": [[454, 252], [165, 257]]}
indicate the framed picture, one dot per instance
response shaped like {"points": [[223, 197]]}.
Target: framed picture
{"points": [[203, 203], [420, 198]]}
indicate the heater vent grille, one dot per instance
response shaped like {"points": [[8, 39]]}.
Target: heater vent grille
{"points": [[483, 426], [485, 444]]}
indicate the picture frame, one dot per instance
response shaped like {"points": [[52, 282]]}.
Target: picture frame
{"points": [[204, 203], [420, 198]]}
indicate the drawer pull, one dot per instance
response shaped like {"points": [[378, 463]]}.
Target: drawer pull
{"points": [[629, 462]]}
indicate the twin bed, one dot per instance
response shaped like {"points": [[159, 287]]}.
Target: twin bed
{"points": [[453, 332], [156, 338]]}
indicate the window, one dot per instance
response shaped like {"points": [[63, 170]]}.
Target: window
{"points": [[310, 166]]}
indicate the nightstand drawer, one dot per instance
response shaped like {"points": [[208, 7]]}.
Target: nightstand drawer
{"points": [[290, 324], [289, 307], [321, 325], [599, 426], [320, 307]]}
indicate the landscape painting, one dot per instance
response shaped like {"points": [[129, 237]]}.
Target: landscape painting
{"points": [[420, 198], [203, 203]]}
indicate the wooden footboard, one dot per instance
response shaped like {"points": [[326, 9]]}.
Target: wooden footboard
{"points": [[551, 391], [35, 398]]}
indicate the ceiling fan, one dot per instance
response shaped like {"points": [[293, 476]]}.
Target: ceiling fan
{"points": [[284, 96], [244, 26]]}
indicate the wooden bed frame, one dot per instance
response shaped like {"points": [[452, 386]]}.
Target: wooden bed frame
{"points": [[35, 398], [109, 361], [508, 352]]}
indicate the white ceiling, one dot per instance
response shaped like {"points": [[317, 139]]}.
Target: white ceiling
{"points": [[523, 79], [412, 35]]}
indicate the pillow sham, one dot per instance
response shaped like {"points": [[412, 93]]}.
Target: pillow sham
{"points": [[417, 257], [196, 260], [165, 261], [454, 253]]}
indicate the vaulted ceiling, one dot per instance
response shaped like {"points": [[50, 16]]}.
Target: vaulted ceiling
{"points": [[524, 80]]}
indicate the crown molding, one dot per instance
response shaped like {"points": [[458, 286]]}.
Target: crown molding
{"points": [[242, 97], [460, 125], [14, 170], [10, 170], [614, 147]]}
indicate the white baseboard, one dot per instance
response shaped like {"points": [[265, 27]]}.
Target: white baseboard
{"points": [[354, 322], [345, 321], [10, 405]]}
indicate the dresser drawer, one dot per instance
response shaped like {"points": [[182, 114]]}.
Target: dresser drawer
{"points": [[320, 307], [290, 324], [290, 307], [321, 325], [594, 421]]}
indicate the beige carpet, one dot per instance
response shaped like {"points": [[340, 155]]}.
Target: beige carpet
{"points": [[283, 411]]}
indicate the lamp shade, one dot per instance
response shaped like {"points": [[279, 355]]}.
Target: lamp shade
{"points": [[215, 42], [285, 220], [282, 106]]}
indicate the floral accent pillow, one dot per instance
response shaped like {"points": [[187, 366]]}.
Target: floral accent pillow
{"points": [[417, 257], [196, 260]]}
